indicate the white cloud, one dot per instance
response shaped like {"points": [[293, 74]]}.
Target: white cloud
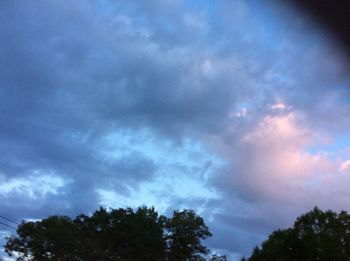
{"points": [[279, 106], [35, 185], [344, 166]]}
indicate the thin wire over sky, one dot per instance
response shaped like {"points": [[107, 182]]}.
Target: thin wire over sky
{"points": [[9, 219]]}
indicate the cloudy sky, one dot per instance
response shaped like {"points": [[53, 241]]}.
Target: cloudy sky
{"points": [[236, 109]]}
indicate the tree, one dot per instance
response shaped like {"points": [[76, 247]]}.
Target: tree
{"points": [[123, 234], [185, 230], [118, 234], [50, 238], [316, 235], [216, 257]]}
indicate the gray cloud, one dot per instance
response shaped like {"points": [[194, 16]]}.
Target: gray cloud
{"points": [[74, 74]]}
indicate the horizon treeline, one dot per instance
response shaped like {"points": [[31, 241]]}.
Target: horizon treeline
{"points": [[144, 235], [115, 234]]}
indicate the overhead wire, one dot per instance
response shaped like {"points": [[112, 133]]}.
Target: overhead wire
{"points": [[7, 225], [9, 219]]}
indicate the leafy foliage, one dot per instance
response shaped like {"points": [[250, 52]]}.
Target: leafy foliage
{"points": [[316, 235], [218, 258], [118, 234], [186, 230]]}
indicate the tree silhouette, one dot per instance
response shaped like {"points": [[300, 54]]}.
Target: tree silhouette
{"points": [[218, 258], [117, 234], [185, 232], [316, 235]]}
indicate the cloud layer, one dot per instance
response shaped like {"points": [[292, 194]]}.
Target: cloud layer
{"points": [[236, 109]]}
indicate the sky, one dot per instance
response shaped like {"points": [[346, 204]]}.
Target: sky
{"points": [[236, 109]]}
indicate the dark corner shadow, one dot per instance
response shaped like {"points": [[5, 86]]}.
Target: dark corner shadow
{"points": [[333, 15]]}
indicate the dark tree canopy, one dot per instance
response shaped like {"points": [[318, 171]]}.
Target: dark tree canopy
{"points": [[216, 257], [316, 235], [186, 230], [118, 234]]}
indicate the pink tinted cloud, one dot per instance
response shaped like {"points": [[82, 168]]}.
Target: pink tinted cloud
{"points": [[272, 176], [271, 163]]}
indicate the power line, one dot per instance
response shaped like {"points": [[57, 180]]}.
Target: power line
{"points": [[7, 225], [9, 219]]}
